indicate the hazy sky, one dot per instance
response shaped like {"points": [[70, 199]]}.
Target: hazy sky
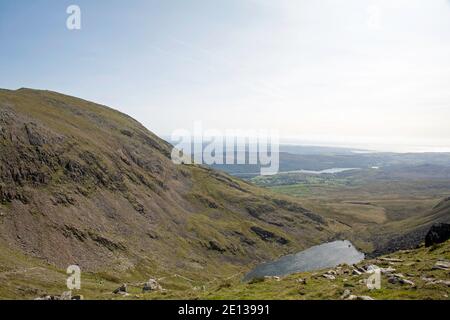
{"points": [[353, 72]]}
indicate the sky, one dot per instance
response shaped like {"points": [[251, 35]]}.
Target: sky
{"points": [[364, 73]]}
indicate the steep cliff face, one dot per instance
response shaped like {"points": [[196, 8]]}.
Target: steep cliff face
{"points": [[84, 184]]}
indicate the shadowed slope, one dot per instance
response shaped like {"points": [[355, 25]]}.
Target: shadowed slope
{"points": [[413, 230]]}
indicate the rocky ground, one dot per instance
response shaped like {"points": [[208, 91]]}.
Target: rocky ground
{"points": [[422, 273]]}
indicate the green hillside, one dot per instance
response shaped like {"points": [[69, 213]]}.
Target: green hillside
{"points": [[84, 184]]}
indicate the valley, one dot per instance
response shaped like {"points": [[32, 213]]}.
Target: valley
{"points": [[83, 184], [379, 204]]}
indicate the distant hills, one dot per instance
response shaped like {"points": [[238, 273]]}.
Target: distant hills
{"points": [[322, 161]]}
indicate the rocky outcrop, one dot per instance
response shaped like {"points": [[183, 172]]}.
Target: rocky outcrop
{"points": [[215, 246], [268, 236], [438, 233]]}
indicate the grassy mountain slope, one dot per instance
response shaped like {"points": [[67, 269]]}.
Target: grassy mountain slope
{"points": [[83, 184]]}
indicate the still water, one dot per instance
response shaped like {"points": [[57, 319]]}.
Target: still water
{"points": [[332, 170], [323, 256]]}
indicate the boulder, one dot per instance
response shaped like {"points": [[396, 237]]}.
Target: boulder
{"points": [[372, 268], [121, 290], [442, 265], [391, 259], [364, 298], [387, 270], [398, 278], [438, 233], [353, 297], [346, 294], [329, 276], [276, 278], [434, 281], [48, 297], [151, 285], [406, 281], [356, 272], [66, 295]]}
